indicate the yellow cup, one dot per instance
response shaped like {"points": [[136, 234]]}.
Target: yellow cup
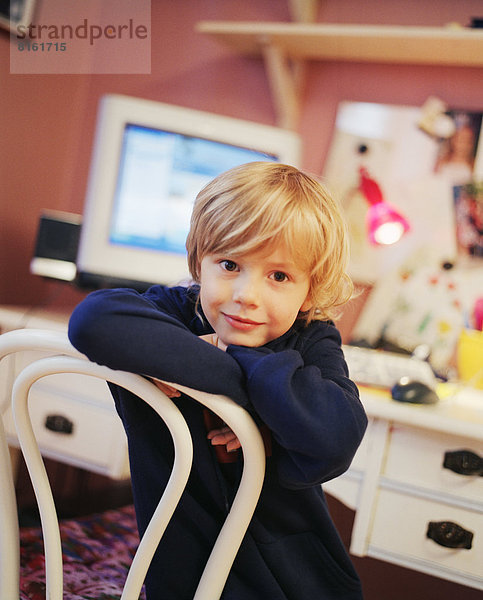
{"points": [[470, 357]]}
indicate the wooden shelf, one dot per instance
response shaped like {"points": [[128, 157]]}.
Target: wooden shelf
{"points": [[365, 43], [285, 46]]}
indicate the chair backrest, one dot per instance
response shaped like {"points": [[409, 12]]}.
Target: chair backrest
{"points": [[65, 359]]}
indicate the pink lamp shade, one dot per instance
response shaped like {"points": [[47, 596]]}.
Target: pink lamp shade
{"points": [[385, 225]]}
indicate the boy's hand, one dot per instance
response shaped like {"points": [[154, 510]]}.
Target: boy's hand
{"points": [[214, 340], [170, 391], [224, 437], [219, 437]]}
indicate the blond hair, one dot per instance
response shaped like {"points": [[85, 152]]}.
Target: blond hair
{"points": [[251, 206]]}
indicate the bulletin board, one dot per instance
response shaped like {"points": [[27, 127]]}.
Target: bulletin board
{"points": [[402, 158]]}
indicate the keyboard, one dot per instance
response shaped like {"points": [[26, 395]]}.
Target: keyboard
{"points": [[378, 368]]}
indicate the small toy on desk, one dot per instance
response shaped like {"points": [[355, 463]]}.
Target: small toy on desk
{"points": [[414, 392], [470, 358]]}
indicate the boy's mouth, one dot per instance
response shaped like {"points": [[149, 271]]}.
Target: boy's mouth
{"points": [[240, 322]]}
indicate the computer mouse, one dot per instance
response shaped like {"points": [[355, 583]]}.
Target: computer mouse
{"points": [[415, 392]]}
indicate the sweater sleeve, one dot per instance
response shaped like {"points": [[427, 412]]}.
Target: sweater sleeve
{"points": [[311, 407], [154, 334]]}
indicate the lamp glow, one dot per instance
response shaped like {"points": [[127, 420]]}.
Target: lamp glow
{"points": [[385, 225], [389, 233]]}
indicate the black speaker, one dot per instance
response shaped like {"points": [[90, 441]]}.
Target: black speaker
{"points": [[56, 246]]}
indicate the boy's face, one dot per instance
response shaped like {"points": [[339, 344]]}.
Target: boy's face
{"points": [[252, 299]]}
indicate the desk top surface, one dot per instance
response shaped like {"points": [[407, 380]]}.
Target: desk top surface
{"points": [[458, 412]]}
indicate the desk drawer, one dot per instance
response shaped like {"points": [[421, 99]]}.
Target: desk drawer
{"points": [[400, 529], [92, 389], [416, 457], [76, 432]]}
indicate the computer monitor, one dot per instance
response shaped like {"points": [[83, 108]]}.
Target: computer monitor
{"points": [[149, 161]]}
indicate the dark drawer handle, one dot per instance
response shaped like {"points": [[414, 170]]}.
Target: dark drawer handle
{"points": [[59, 424], [464, 462], [450, 535]]}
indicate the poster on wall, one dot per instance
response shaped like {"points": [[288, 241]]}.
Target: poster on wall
{"points": [[458, 153], [416, 173], [468, 210]]}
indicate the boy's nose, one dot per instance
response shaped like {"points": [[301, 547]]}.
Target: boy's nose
{"points": [[246, 291]]}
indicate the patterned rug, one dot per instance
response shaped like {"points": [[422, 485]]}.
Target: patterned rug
{"points": [[97, 552]]}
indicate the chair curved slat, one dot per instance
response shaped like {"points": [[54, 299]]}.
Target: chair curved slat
{"points": [[176, 484], [9, 535], [231, 535], [71, 361], [10, 343]]}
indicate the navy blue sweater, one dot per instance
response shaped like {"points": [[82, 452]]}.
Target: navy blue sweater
{"points": [[296, 385]]}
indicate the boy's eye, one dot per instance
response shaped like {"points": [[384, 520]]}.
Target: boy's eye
{"points": [[279, 276], [229, 265]]}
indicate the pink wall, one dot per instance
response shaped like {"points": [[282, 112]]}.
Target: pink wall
{"points": [[47, 125], [47, 121]]}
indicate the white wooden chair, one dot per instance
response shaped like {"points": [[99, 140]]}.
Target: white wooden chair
{"points": [[65, 359]]}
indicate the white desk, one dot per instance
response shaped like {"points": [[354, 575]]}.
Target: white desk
{"points": [[397, 484]]}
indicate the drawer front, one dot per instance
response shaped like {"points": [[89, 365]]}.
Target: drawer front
{"points": [[76, 432], [400, 529], [92, 389], [416, 457]]}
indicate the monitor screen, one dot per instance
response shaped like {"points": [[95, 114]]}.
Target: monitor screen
{"points": [[150, 160], [159, 176]]}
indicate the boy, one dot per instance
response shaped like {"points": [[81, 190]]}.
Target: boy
{"points": [[267, 250]]}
